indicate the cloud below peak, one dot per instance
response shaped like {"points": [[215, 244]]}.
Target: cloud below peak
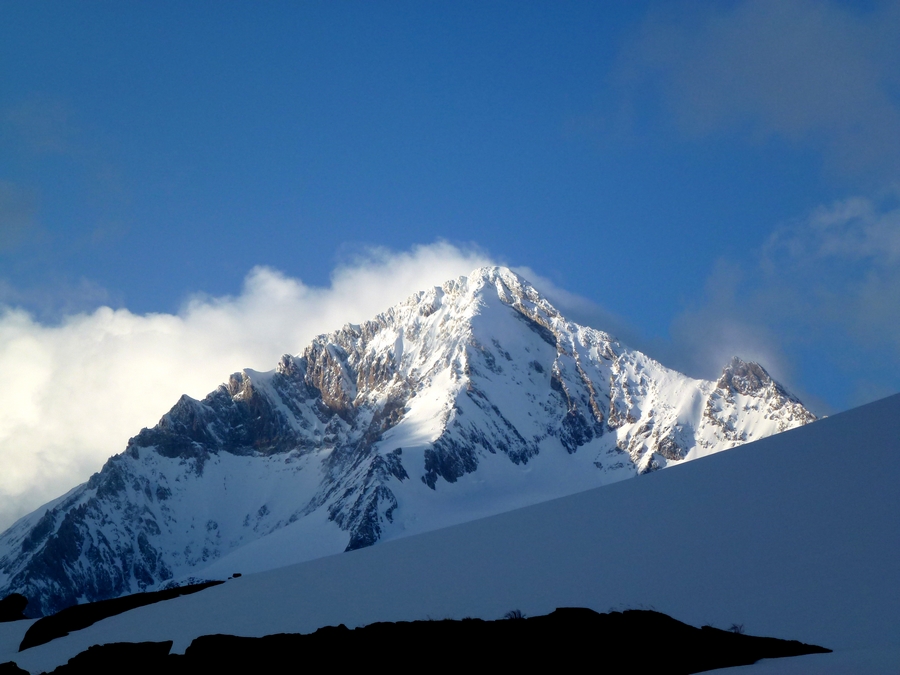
{"points": [[74, 392]]}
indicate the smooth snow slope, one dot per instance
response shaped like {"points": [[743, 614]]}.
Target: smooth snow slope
{"points": [[795, 536]]}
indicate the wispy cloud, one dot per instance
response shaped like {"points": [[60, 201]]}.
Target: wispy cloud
{"points": [[828, 283], [74, 392], [842, 266], [821, 76], [818, 73], [18, 220], [40, 125], [584, 311]]}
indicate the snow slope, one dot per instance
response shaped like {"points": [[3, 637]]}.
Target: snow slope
{"points": [[470, 399], [794, 536]]}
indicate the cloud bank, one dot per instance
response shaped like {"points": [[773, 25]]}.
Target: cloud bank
{"points": [[74, 393]]}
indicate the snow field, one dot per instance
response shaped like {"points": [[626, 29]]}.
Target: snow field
{"points": [[785, 536]]}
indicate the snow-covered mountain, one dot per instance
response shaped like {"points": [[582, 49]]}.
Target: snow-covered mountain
{"points": [[467, 400]]}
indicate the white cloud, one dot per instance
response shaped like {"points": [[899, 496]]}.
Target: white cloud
{"points": [[820, 73], [73, 393]]}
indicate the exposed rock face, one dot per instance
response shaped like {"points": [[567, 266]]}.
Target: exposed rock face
{"points": [[745, 387], [465, 400]]}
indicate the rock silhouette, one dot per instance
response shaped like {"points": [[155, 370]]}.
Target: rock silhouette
{"points": [[565, 640], [81, 616], [12, 607]]}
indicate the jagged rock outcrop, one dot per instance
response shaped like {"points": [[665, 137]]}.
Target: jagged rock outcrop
{"points": [[465, 400]]}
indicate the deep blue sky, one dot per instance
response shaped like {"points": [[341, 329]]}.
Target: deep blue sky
{"points": [[715, 175]]}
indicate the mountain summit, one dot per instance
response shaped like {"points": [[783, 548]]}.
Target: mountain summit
{"points": [[463, 401]]}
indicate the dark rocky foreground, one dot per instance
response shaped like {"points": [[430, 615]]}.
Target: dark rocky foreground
{"points": [[77, 617], [567, 639], [12, 607]]}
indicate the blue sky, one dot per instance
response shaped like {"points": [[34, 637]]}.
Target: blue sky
{"points": [[705, 178]]}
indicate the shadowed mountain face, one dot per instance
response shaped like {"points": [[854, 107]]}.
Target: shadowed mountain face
{"points": [[466, 400]]}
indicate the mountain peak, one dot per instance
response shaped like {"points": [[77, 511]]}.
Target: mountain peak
{"points": [[465, 400], [510, 286], [744, 377], [493, 273]]}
